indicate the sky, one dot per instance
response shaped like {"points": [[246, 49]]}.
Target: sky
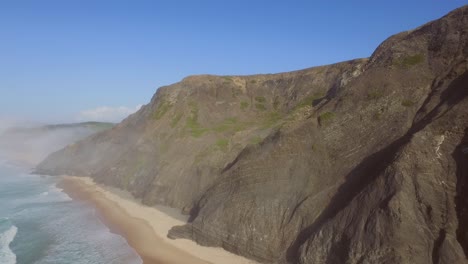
{"points": [[79, 60]]}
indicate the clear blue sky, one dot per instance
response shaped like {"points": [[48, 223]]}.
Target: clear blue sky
{"points": [[60, 57]]}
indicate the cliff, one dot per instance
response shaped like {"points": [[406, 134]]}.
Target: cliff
{"points": [[363, 161]]}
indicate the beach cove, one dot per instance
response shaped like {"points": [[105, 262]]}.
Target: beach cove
{"points": [[145, 228]]}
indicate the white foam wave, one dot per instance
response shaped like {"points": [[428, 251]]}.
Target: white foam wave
{"points": [[6, 255], [59, 192]]}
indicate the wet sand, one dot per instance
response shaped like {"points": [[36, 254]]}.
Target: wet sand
{"points": [[145, 228]]}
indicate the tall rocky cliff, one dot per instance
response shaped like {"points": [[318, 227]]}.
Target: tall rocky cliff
{"points": [[364, 161]]}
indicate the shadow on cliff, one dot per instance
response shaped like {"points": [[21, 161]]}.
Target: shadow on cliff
{"points": [[461, 158], [372, 166]]}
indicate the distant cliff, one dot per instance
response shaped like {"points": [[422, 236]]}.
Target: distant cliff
{"points": [[33, 143], [363, 161]]}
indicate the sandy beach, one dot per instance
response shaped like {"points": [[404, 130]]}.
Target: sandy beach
{"points": [[145, 228]]}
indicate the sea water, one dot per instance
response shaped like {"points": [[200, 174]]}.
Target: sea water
{"points": [[40, 224]]}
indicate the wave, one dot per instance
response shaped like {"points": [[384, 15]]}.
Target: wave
{"points": [[57, 191], [6, 255], [55, 229]]}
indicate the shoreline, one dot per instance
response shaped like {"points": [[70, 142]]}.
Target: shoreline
{"points": [[145, 228]]}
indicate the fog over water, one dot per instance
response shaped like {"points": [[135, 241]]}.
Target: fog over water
{"points": [[38, 222], [30, 143]]}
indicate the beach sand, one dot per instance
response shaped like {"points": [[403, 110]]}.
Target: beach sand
{"points": [[145, 228]]}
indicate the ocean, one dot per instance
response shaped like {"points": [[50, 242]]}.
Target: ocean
{"points": [[40, 224]]}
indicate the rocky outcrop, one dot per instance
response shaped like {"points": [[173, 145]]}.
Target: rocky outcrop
{"points": [[358, 162]]}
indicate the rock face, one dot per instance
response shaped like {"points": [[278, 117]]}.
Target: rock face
{"points": [[364, 161]]}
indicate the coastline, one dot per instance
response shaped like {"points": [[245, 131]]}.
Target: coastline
{"points": [[145, 228]]}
